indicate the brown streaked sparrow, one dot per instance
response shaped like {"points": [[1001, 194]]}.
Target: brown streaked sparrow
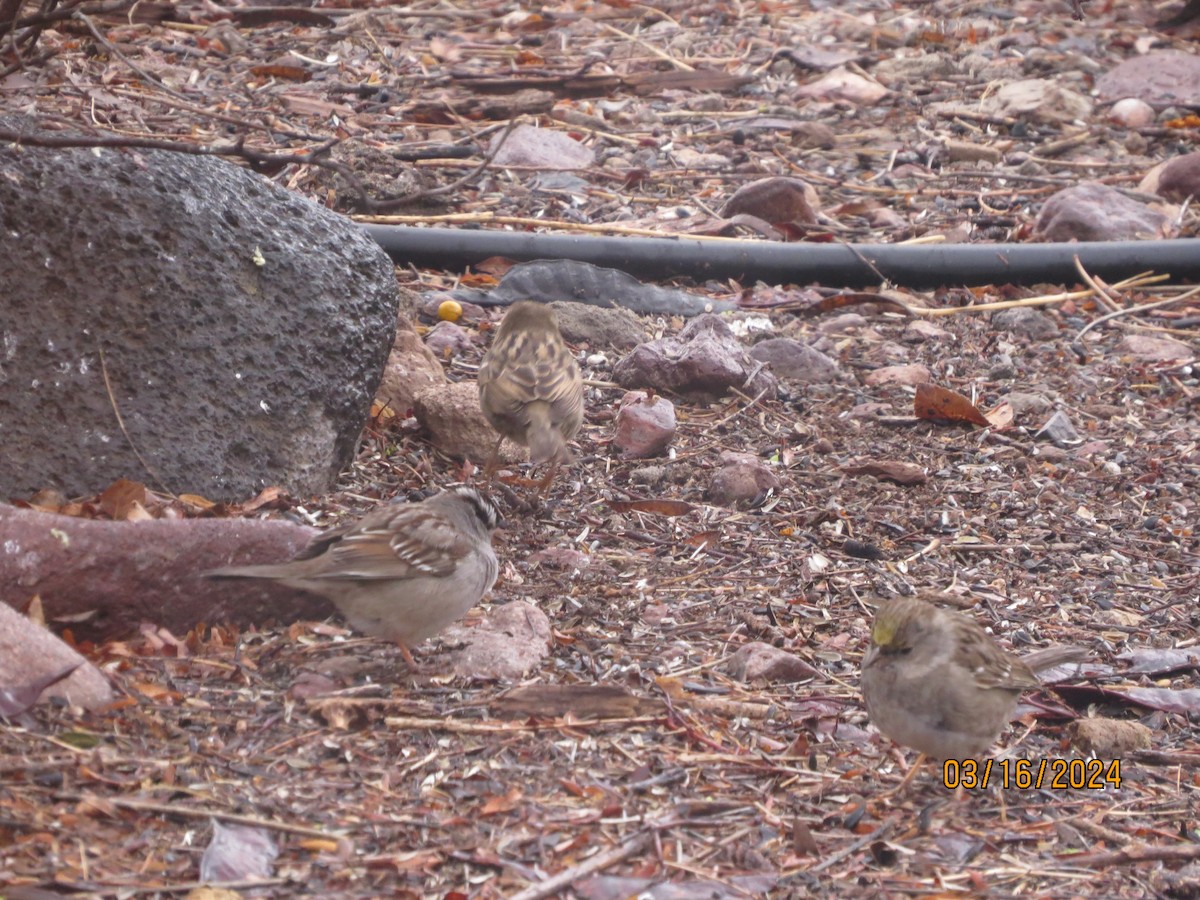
{"points": [[935, 681], [530, 387], [404, 571]]}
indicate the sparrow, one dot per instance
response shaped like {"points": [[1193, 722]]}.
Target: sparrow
{"points": [[935, 681], [402, 572], [530, 387]]}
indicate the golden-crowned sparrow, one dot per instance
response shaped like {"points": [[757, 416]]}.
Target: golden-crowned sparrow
{"points": [[530, 387], [935, 681], [404, 571]]}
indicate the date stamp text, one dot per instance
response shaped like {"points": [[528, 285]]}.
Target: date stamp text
{"points": [[1032, 774]]}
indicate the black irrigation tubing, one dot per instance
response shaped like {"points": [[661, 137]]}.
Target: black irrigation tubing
{"points": [[838, 265]]}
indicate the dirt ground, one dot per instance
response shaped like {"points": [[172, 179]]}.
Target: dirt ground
{"points": [[632, 762]]}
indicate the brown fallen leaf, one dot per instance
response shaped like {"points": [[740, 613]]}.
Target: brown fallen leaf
{"points": [[121, 498], [942, 404]]}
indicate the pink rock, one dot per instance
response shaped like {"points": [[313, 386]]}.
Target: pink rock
{"points": [[1148, 348], [508, 643], [705, 358], [451, 415], [1161, 77], [645, 425], [741, 479], [411, 367], [541, 148], [29, 653], [762, 663], [104, 578], [1097, 212], [919, 331], [911, 374], [445, 339], [1132, 113], [777, 200], [1179, 179], [842, 323]]}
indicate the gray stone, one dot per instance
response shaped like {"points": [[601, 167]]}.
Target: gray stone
{"points": [[1061, 430], [243, 329], [795, 361], [1024, 403], [1041, 100], [598, 326], [1030, 323]]}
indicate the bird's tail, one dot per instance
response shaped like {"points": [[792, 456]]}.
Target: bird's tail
{"points": [[250, 572], [545, 441], [1052, 657]]}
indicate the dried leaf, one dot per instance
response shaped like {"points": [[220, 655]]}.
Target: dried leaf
{"points": [[942, 404], [286, 73], [501, 804], [120, 496]]}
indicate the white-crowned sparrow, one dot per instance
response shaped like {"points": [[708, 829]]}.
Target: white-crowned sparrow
{"points": [[935, 681], [404, 571], [530, 387]]}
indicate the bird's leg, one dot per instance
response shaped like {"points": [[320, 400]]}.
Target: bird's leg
{"points": [[563, 455], [489, 471], [408, 657], [551, 471], [908, 776]]}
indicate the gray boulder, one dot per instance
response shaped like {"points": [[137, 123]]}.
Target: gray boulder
{"points": [[243, 328]]}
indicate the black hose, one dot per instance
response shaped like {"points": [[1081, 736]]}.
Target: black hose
{"points": [[912, 266]]}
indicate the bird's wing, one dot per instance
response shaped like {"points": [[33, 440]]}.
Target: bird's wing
{"points": [[404, 540]]}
